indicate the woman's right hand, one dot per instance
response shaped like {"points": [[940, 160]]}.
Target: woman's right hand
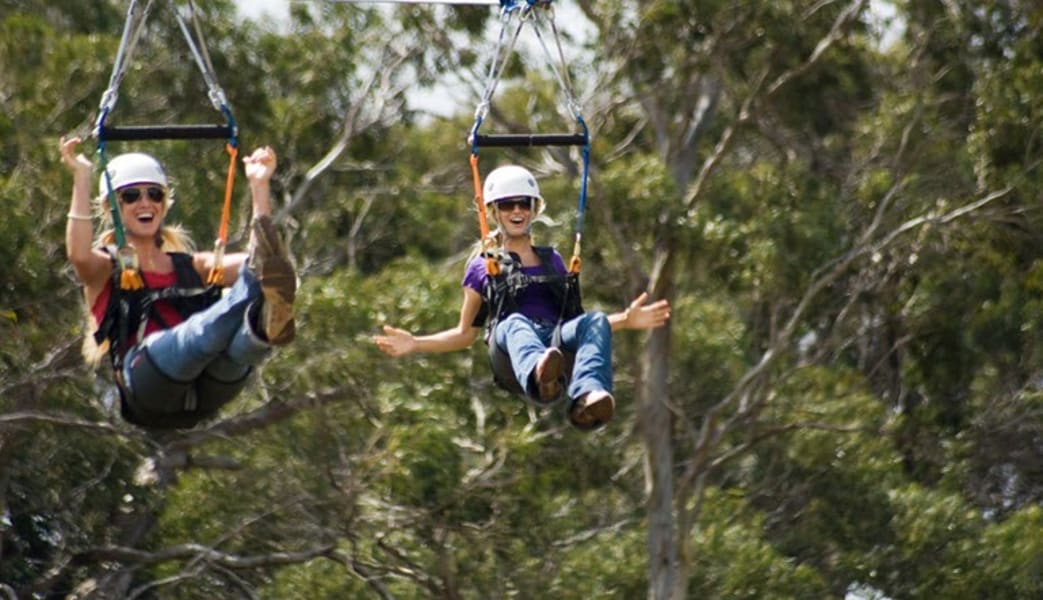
{"points": [[395, 342], [76, 162]]}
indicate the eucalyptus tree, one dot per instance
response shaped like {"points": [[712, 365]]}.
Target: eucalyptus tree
{"points": [[801, 169]]}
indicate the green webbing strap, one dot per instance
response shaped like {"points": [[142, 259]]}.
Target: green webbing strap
{"points": [[130, 277], [126, 257], [114, 207]]}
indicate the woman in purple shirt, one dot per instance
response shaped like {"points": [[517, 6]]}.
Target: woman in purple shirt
{"points": [[524, 325]]}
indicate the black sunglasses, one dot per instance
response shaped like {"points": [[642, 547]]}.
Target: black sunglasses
{"points": [[132, 195], [509, 205]]}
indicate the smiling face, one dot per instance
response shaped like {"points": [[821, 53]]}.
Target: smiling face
{"points": [[142, 206], [514, 215]]}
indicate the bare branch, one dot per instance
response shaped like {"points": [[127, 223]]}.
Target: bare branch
{"points": [[370, 109], [841, 25], [265, 416], [590, 534], [35, 416], [711, 432], [837, 32], [57, 365], [770, 432], [694, 192], [123, 554]]}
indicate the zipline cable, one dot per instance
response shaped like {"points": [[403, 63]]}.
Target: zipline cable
{"points": [[132, 31]]}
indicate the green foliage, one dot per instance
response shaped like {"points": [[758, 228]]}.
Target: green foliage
{"points": [[936, 530], [877, 434], [48, 510], [732, 561], [611, 565]]}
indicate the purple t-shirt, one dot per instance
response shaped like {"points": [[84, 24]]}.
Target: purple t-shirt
{"points": [[536, 301]]}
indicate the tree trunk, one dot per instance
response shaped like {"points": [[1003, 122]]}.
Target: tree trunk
{"points": [[656, 429]]}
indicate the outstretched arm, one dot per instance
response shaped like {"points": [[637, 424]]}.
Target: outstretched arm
{"points": [[398, 342], [640, 315]]}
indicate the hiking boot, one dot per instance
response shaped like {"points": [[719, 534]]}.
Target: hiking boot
{"points": [[548, 375], [278, 280], [592, 410]]}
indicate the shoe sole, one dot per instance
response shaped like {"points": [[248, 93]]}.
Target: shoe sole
{"points": [[279, 287], [278, 284], [547, 377], [595, 414]]}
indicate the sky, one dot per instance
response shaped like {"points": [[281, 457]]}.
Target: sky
{"points": [[882, 13], [443, 100], [255, 9]]}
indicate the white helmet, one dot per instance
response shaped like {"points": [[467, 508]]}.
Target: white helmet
{"points": [[511, 182], [128, 169]]}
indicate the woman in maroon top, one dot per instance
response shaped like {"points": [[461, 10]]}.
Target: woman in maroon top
{"points": [[190, 358]]}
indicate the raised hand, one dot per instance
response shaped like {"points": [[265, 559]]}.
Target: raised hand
{"points": [[76, 162], [260, 165]]}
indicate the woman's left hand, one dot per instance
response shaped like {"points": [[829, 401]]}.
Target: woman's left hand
{"points": [[260, 165], [647, 316]]}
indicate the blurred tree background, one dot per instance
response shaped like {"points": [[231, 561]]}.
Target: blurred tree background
{"points": [[840, 199]]}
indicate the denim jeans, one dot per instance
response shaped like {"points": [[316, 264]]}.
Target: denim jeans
{"points": [[217, 340], [588, 337]]}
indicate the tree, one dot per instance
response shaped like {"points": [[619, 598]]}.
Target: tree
{"points": [[761, 116], [845, 400]]}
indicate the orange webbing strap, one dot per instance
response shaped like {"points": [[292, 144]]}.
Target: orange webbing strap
{"points": [[492, 266], [575, 262], [217, 271], [130, 270]]}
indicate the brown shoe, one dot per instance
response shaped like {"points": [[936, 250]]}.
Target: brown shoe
{"points": [[592, 410], [548, 375], [278, 282]]}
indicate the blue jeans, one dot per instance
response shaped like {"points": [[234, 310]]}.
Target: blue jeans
{"points": [[217, 341], [588, 337]]}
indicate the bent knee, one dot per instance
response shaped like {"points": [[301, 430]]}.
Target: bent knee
{"points": [[597, 320]]}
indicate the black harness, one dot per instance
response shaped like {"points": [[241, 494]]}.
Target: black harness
{"points": [[499, 300], [499, 295], [129, 311]]}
